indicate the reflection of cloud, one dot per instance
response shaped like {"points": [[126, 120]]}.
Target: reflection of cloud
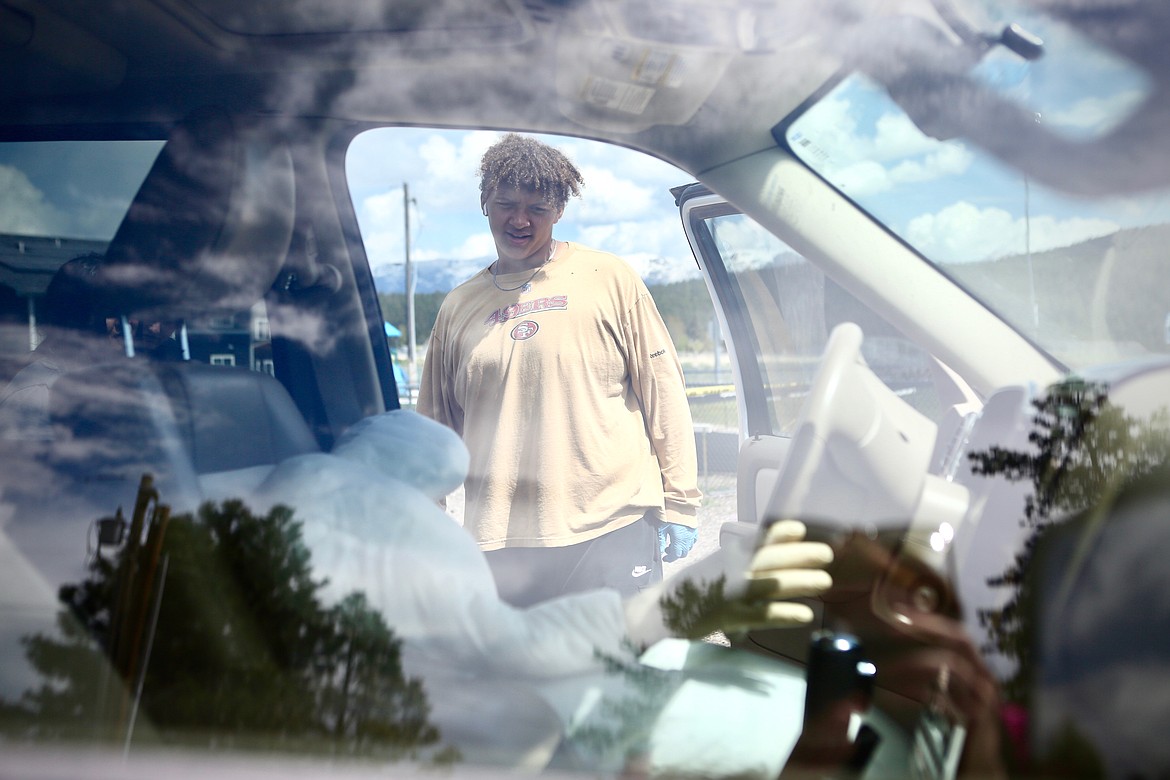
{"points": [[744, 244], [1095, 113], [96, 215], [312, 331], [867, 163], [23, 208], [963, 232]]}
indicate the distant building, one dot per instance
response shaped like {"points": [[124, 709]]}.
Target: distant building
{"points": [[27, 264]]}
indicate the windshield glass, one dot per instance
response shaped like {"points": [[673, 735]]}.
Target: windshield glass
{"points": [[1069, 272]]}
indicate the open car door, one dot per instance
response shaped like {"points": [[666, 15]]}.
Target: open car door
{"points": [[777, 312]]}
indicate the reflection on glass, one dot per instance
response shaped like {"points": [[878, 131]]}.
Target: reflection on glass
{"points": [[1086, 449], [1087, 454], [791, 307], [209, 629], [1071, 272], [1079, 89]]}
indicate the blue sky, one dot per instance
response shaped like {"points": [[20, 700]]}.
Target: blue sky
{"points": [[948, 200], [625, 207]]}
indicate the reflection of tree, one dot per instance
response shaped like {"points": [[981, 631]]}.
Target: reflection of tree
{"points": [[622, 724], [693, 610], [236, 645], [1085, 450]]}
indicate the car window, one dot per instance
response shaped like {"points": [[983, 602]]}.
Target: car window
{"points": [[625, 208], [1067, 269], [65, 200], [226, 536], [787, 308]]}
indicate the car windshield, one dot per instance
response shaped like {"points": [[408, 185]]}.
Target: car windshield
{"points": [[1068, 271]]}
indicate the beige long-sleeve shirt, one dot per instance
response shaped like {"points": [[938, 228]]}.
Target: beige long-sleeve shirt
{"points": [[570, 398]]}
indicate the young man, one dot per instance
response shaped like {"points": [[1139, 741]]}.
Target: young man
{"points": [[555, 367]]}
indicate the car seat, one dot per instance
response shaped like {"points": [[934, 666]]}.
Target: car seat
{"points": [[208, 231]]}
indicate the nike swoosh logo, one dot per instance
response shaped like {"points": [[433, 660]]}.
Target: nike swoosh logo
{"points": [[640, 571]]}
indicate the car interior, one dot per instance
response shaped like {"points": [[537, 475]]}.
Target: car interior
{"points": [[236, 231]]}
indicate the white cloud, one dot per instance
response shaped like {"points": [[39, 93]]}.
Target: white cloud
{"points": [[896, 137], [451, 176], [963, 232], [1094, 116], [23, 207], [863, 178], [474, 247], [381, 220], [944, 160], [626, 206], [869, 177], [610, 198], [832, 126], [659, 237], [440, 166], [865, 164]]}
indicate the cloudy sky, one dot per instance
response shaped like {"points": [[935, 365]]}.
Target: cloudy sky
{"points": [[625, 207], [945, 198]]}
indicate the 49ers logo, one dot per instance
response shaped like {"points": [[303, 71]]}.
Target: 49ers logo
{"points": [[525, 330], [515, 310]]}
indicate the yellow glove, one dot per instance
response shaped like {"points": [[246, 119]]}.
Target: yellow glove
{"points": [[784, 567], [745, 585]]}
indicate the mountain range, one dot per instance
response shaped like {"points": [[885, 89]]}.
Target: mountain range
{"points": [[443, 275]]}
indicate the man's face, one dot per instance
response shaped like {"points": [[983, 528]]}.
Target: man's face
{"points": [[521, 221]]}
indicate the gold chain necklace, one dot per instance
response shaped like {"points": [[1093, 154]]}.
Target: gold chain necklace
{"points": [[526, 285]]}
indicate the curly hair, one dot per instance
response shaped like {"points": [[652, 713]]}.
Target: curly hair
{"points": [[520, 161]]}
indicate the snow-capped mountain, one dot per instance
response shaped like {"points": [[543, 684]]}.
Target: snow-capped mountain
{"points": [[444, 275]]}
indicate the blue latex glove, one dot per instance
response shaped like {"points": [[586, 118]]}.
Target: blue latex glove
{"points": [[675, 540]]}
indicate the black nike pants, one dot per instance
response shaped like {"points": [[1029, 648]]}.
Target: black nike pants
{"points": [[626, 560]]}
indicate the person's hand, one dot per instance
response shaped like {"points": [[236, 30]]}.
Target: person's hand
{"points": [[876, 592], [675, 540], [749, 583], [784, 567]]}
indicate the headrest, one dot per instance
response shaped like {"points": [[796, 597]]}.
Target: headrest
{"points": [[232, 418], [210, 226]]}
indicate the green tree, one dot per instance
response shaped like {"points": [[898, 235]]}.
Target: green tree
{"points": [[685, 307], [687, 311], [1085, 450], [364, 696], [238, 651], [426, 309]]}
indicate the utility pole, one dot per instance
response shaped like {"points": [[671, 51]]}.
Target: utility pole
{"points": [[412, 372]]}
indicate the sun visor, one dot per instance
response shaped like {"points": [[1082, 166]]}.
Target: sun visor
{"points": [[65, 59]]}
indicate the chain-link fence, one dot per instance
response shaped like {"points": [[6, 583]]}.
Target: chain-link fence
{"points": [[716, 420]]}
